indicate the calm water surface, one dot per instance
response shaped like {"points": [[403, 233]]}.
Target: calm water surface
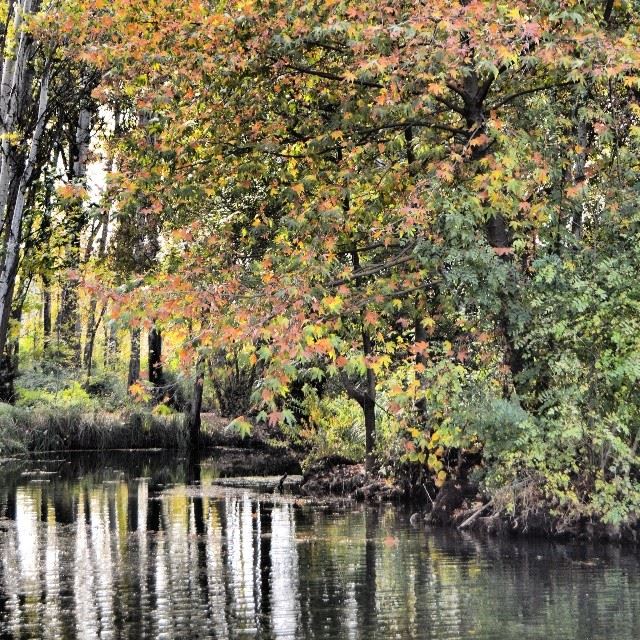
{"points": [[119, 547]]}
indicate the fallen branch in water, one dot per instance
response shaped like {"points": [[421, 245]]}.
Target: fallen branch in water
{"points": [[481, 509], [475, 515]]}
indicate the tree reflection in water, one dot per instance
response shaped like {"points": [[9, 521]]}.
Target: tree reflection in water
{"points": [[93, 552]]}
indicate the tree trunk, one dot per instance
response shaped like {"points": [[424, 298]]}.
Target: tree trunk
{"points": [[92, 330], [10, 363], [369, 405], [45, 235], [12, 247], [12, 93], [584, 136], [196, 408], [155, 357], [498, 233], [92, 324], [9, 17], [46, 313], [420, 335], [68, 320], [7, 391], [367, 400], [111, 345], [134, 357]]}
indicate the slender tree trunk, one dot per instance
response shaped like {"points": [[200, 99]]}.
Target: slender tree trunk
{"points": [[12, 95], [369, 405], [9, 17], [367, 398], [102, 252], [584, 135], [92, 330], [92, 324], [9, 363], [111, 345], [420, 336], [155, 357], [134, 357], [45, 234], [68, 320], [46, 313], [12, 248], [195, 420]]}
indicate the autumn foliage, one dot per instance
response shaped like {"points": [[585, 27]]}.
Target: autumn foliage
{"points": [[425, 208]]}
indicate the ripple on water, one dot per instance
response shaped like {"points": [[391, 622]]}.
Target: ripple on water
{"points": [[109, 556]]}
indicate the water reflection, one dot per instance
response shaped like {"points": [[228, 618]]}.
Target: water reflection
{"points": [[111, 554]]}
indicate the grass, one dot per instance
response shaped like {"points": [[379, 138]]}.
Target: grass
{"points": [[54, 412], [67, 428]]}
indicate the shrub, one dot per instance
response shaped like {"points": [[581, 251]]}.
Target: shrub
{"points": [[232, 379], [334, 426]]}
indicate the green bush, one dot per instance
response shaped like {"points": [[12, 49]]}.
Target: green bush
{"points": [[71, 396], [335, 426]]}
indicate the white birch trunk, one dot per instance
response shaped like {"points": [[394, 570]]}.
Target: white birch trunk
{"points": [[11, 88], [68, 319], [9, 63], [12, 251]]}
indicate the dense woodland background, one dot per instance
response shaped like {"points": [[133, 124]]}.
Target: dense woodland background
{"points": [[402, 231]]}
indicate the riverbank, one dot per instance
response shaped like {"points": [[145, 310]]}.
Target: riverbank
{"points": [[517, 510], [520, 510]]}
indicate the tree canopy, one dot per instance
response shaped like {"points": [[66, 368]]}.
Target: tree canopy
{"points": [[428, 209]]}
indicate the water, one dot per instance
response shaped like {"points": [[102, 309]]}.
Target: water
{"points": [[120, 547]]}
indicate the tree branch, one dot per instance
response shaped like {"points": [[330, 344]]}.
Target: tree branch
{"points": [[371, 270], [332, 76], [524, 92]]}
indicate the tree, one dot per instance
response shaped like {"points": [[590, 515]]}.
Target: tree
{"points": [[373, 193]]}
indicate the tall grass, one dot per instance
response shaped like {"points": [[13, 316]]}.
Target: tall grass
{"points": [[11, 439], [67, 428]]}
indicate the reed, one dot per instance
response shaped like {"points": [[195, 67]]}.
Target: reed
{"points": [[71, 428]]}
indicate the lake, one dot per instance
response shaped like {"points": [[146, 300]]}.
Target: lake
{"points": [[123, 545]]}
